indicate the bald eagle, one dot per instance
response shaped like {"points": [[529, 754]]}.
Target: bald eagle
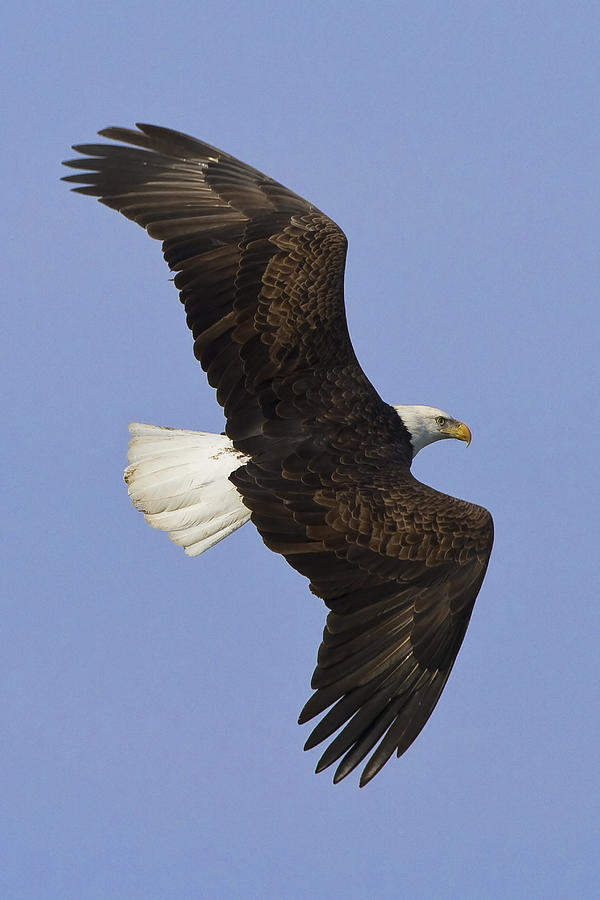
{"points": [[311, 453]]}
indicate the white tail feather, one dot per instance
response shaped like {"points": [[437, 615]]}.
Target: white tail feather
{"points": [[180, 481]]}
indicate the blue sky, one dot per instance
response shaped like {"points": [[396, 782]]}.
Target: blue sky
{"points": [[149, 741]]}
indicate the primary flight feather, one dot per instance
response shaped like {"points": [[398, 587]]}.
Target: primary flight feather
{"points": [[311, 454]]}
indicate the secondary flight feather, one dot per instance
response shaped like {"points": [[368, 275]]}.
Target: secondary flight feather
{"points": [[311, 453]]}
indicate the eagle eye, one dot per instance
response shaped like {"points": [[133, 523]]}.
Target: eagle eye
{"points": [[440, 420]]}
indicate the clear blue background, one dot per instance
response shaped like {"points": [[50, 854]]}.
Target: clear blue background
{"points": [[149, 739]]}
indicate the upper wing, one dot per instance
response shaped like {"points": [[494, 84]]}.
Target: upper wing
{"points": [[260, 272]]}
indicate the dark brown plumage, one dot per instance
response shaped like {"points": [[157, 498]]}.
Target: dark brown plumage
{"points": [[260, 273]]}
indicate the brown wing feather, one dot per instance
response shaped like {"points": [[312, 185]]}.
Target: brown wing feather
{"points": [[260, 273], [400, 566]]}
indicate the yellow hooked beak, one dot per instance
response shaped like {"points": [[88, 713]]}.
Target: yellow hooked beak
{"points": [[457, 430]]}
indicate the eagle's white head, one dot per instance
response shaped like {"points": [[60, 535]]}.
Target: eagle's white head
{"points": [[427, 424]]}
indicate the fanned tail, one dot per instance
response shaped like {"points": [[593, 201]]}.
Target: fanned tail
{"points": [[179, 480]]}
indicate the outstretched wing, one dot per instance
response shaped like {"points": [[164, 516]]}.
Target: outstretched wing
{"points": [[260, 273], [398, 564]]}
